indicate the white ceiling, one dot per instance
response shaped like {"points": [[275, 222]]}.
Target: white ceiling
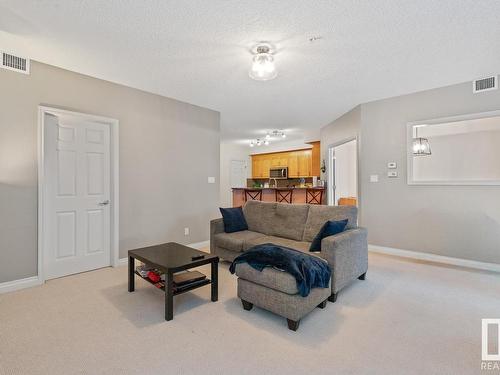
{"points": [[198, 51]]}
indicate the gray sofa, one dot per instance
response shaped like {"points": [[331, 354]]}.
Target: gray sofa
{"points": [[295, 226]]}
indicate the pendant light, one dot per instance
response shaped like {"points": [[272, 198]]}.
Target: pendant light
{"points": [[421, 146]]}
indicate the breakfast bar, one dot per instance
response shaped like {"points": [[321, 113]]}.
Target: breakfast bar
{"points": [[299, 194]]}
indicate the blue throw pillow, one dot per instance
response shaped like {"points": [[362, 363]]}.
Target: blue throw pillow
{"points": [[328, 229], [233, 218]]}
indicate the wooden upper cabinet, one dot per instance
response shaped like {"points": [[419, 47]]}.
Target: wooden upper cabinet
{"points": [[299, 163], [316, 159], [266, 165], [305, 159], [293, 164], [257, 167], [276, 161]]}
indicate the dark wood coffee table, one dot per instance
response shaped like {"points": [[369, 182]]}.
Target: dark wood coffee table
{"points": [[170, 258]]}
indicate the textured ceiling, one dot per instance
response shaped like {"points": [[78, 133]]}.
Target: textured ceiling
{"points": [[198, 51]]}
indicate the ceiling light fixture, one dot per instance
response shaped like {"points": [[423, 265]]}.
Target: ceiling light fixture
{"points": [[263, 68], [269, 136], [278, 133]]}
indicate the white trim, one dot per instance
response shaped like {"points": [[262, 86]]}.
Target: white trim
{"points": [[11, 286], [330, 179], [121, 262], [115, 202], [409, 149], [199, 245], [495, 267]]}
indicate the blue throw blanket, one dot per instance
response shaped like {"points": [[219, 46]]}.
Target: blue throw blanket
{"points": [[308, 270]]}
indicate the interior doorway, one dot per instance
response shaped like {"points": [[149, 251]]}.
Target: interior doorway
{"points": [[343, 173], [78, 193]]}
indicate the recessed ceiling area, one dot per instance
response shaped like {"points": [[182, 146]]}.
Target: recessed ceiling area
{"points": [[330, 55]]}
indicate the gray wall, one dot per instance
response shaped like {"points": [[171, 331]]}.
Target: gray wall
{"points": [[455, 221], [167, 150]]}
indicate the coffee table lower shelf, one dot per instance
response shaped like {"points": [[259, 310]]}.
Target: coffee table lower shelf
{"points": [[181, 289]]}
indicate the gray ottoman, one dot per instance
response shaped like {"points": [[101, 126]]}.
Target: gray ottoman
{"points": [[277, 291]]}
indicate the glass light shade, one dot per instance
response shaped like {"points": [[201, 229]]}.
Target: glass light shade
{"points": [[263, 68], [421, 147], [266, 142]]}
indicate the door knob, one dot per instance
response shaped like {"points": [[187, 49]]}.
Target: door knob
{"points": [[104, 203]]}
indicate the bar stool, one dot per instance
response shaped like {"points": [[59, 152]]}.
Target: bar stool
{"points": [[253, 194], [314, 196], [284, 195]]}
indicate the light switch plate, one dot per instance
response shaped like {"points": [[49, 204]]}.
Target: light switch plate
{"points": [[374, 178], [392, 174], [392, 165], [211, 180]]}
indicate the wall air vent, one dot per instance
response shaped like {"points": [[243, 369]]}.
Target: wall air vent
{"points": [[15, 63], [485, 84]]}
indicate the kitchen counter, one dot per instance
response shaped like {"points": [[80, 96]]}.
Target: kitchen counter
{"points": [[269, 194], [278, 188]]}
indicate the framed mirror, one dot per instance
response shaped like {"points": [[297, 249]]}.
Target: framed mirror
{"points": [[461, 150]]}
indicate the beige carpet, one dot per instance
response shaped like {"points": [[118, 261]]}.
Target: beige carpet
{"points": [[406, 318]]}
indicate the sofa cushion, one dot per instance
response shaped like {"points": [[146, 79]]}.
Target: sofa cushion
{"points": [[297, 245], [260, 216], [330, 228], [234, 241], [269, 277], [289, 220], [318, 215], [234, 220]]}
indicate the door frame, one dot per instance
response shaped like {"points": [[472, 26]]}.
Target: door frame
{"points": [[331, 178], [114, 181]]}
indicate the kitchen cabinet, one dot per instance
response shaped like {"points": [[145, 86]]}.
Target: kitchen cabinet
{"points": [[279, 159], [305, 160], [293, 164], [266, 165], [316, 159], [256, 167], [299, 163]]}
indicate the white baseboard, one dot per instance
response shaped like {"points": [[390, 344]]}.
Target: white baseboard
{"points": [[122, 262], [13, 285], [495, 267], [199, 245]]}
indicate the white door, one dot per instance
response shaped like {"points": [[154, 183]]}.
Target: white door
{"points": [[238, 173], [76, 195]]}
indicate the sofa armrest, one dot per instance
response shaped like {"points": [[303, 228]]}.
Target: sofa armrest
{"points": [[347, 255], [216, 226]]}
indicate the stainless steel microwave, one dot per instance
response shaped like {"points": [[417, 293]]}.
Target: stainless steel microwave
{"points": [[278, 173]]}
